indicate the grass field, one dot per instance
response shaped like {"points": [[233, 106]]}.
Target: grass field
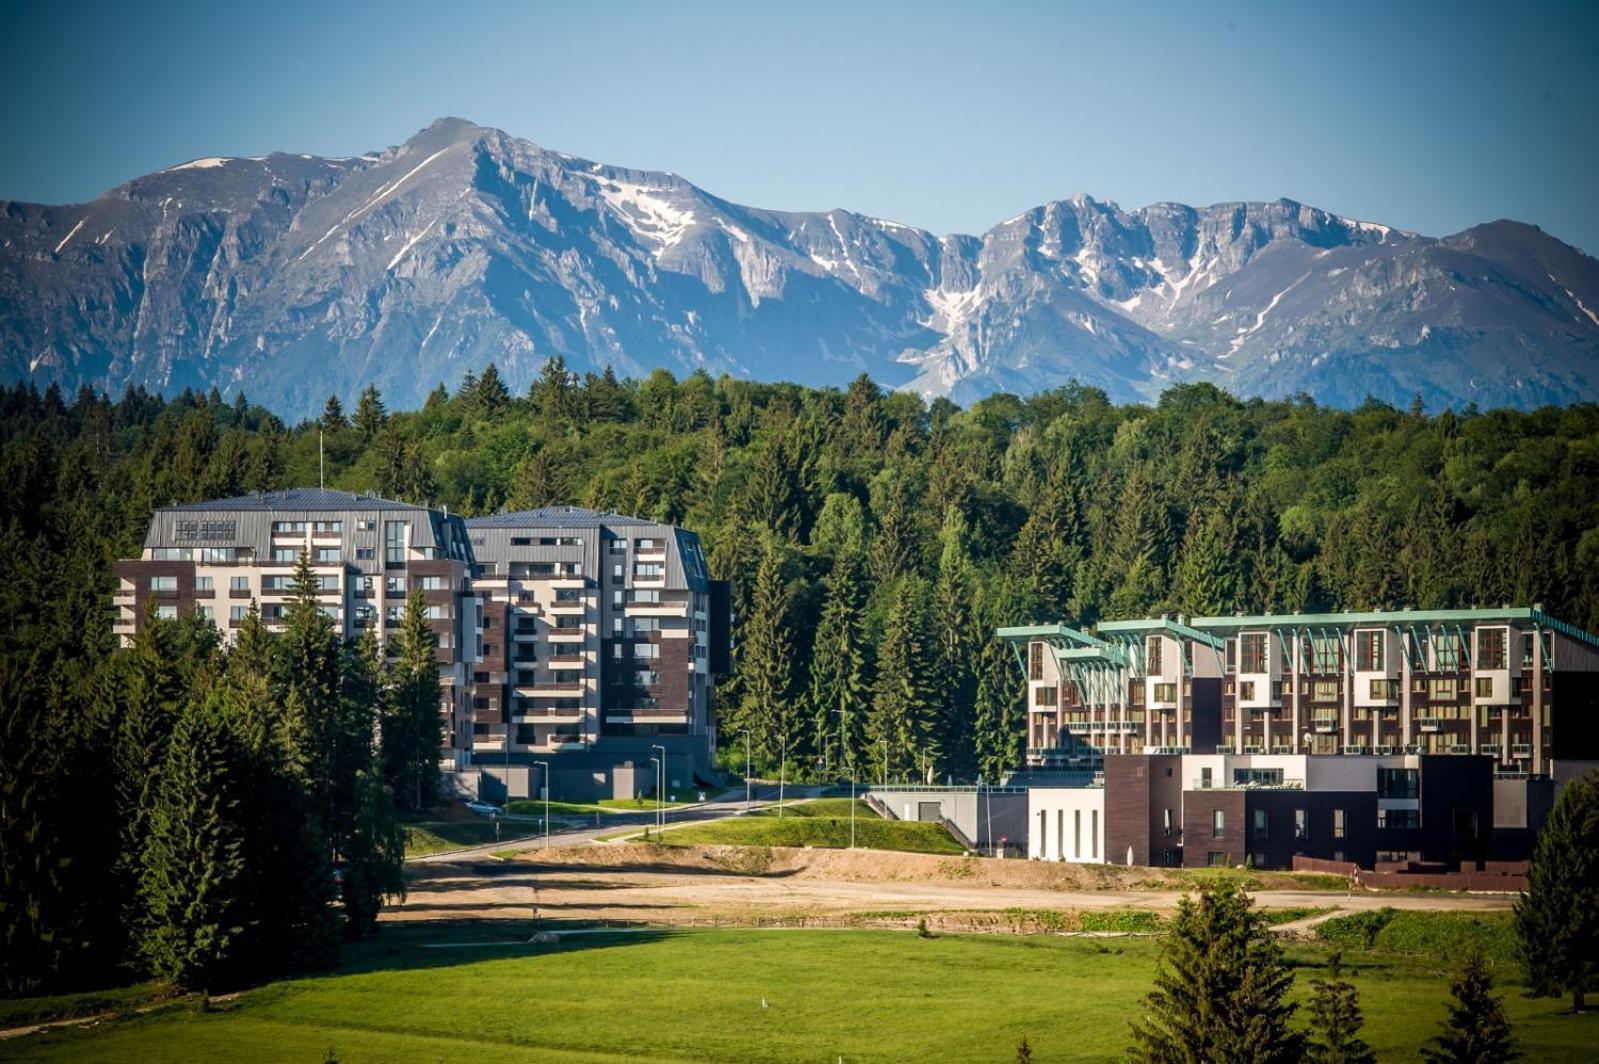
{"points": [[696, 996], [536, 806], [823, 822], [438, 836]]}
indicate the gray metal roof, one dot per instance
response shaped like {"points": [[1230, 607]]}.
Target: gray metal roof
{"points": [[296, 499], [556, 517]]}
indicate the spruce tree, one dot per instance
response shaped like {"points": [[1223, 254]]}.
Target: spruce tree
{"points": [[538, 481], [333, 415], [1476, 1030], [838, 683], [413, 727], [1203, 582], [1335, 1021], [1557, 919], [895, 552], [906, 697], [491, 397], [1221, 990], [956, 643], [766, 652], [192, 886], [370, 417]]}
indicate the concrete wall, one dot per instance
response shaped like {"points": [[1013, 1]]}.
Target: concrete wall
{"points": [[983, 816], [1067, 824]]}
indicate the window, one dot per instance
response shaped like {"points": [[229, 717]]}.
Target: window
{"points": [[204, 583], [1324, 691], [1260, 824], [1446, 651], [1077, 832], [616, 626], [327, 528], [645, 597], [163, 583], [1323, 653], [1215, 859], [618, 650], [1485, 687], [1246, 690], [1252, 652], [1384, 690], [1045, 696], [1093, 834], [1338, 823], [1257, 777], [167, 613], [568, 624], [238, 583], [288, 528], [646, 624], [206, 612], [438, 613], [618, 546], [646, 650], [647, 544], [1398, 819], [326, 555], [649, 570], [1152, 655], [1165, 692], [394, 537], [1445, 690], [394, 585], [431, 583], [568, 594], [1218, 823], [1165, 822], [1491, 648], [238, 613], [219, 554], [1398, 783], [366, 524], [366, 554], [171, 554], [1301, 824], [1368, 651], [285, 555], [1035, 661]]}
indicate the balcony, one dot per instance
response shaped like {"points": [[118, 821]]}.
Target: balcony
{"points": [[524, 635], [547, 715], [567, 635], [1490, 748], [1324, 724], [655, 609], [1356, 749], [567, 609], [551, 690], [567, 662], [1430, 724], [1521, 750]]}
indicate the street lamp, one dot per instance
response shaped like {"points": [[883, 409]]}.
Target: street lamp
{"points": [[660, 791], [657, 776], [852, 803], [747, 802], [884, 744], [782, 772], [547, 786]]}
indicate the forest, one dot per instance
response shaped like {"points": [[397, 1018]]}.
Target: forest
{"points": [[875, 541]]}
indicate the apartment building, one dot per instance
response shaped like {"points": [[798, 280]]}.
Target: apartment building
{"points": [[368, 554], [1263, 810], [602, 637], [1495, 682], [571, 643]]}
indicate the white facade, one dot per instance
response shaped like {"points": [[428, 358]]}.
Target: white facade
{"points": [[1066, 824]]}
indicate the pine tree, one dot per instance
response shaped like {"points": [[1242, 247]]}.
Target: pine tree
{"points": [[1557, 919], [1221, 990], [956, 644], [905, 698], [895, 551], [552, 393], [766, 652], [1203, 583], [1047, 555], [413, 727], [491, 397], [333, 415], [838, 682], [999, 725], [192, 875], [370, 417], [1476, 1030], [1335, 1021]]}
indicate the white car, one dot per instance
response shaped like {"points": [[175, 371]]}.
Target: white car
{"points": [[484, 808]]}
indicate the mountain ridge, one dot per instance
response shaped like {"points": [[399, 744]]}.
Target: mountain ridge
{"points": [[293, 276]]}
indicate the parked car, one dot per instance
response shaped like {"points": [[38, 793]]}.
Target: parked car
{"points": [[485, 808]]}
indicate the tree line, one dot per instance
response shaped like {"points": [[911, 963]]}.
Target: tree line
{"points": [[205, 814]]}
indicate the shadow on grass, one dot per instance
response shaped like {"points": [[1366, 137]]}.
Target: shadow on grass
{"points": [[449, 943], [498, 871]]}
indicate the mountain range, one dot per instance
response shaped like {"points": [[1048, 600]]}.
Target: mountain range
{"points": [[295, 276]]}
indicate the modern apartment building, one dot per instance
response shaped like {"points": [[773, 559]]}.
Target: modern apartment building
{"points": [[570, 641], [1497, 682], [602, 637], [1502, 703], [368, 554]]}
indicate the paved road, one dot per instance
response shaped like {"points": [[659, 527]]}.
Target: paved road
{"points": [[519, 830]]}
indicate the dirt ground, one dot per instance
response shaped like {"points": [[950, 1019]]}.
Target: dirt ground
{"points": [[700, 886]]}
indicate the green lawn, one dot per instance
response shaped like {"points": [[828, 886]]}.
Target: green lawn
{"points": [[696, 996], [535, 806], [821, 822], [437, 836]]}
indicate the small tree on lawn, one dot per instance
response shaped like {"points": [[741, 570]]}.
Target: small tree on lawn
{"points": [[1557, 919], [1024, 1052], [1476, 1030], [1335, 1021], [1221, 992]]}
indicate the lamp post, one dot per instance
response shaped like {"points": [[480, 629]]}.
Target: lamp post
{"points": [[747, 802], [660, 791], [782, 773], [852, 804], [657, 762], [547, 787], [884, 744]]}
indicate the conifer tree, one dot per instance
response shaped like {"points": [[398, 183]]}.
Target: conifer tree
{"points": [[905, 698], [1335, 1021], [491, 397], [370, 417], [1046, 557], [955, 648], [1203, 583], [552, 393], [838, 682], [1476, 1030], [333, 415], [998, 726], [1221, 989], [766, 652], [192, 886], [895, 551], [1557, 919], [538, 481], [413, 729]]}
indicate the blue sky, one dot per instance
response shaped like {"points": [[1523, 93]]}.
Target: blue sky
{"points": [[950, 116]]}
